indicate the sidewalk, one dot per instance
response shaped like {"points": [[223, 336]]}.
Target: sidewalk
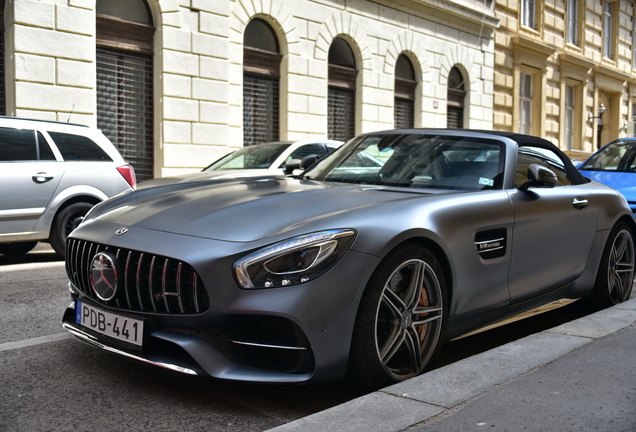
{"points": [[579, 376]]}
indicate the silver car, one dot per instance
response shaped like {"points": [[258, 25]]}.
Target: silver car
{"points": [[51, 174], [347, 271]]}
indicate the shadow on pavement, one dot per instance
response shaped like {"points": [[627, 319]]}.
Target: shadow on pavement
{"points": [[41, 254]]}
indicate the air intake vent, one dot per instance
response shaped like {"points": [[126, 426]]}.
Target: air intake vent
{"points": [[491, 244]]}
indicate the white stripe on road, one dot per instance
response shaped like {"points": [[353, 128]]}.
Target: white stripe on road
{"points": [[34, 341]]}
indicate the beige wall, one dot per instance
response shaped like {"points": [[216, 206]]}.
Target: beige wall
{"points": [[544, 53]]}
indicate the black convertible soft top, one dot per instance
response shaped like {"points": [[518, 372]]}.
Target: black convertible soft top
{"points": [[575, 176]]}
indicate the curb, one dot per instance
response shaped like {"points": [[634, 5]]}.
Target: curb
{"points": [[442, 391]]}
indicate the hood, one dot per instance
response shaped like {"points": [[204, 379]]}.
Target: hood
{"points": [[239, 210], [208, 175], [623, 182]]}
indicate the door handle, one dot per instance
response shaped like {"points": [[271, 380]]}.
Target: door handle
{"points": [[579, 203], [41, 177]]}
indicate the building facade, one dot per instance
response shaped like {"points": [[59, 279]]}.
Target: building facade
{"points": [[565, 70], [175, 84]]}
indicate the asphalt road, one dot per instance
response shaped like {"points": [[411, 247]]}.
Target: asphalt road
{"points": [[51, 381]]}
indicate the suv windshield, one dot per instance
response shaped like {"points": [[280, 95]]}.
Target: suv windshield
{"points": [[416, 161], [618, 156], [253, 157]]}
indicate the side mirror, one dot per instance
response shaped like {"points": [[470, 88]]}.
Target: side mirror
{"points": [[539, 176], [291, 165], [309, 160], [306, 162]]}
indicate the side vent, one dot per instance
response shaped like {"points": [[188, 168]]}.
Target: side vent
{"points": [[491, 244]]}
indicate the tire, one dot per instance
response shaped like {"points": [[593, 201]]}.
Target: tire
{"points": [[400, 319], [65, 222], [14, 249], [616, 272]]}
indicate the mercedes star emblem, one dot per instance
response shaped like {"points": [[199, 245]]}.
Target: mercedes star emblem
{"points": [[104, 276]]}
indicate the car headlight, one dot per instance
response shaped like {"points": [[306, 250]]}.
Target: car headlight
{"points": [[293, 261]]}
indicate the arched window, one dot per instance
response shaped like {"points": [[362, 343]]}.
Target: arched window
{"points": [[405, 83], [125, 112], [341, 99], [455, 100], [261, 76]]}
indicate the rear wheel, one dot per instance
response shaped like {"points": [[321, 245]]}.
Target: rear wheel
{"points": [[616, 272], [14, 249], [400, 319], [65, 222]]}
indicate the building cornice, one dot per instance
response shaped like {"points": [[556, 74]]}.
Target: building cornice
{"points": [[612, 73], [469, 15], [574, 66], [525, 45]]}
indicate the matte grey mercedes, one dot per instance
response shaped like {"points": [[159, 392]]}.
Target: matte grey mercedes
{"points": [[346, 269]]}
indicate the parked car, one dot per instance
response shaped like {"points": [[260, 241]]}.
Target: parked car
{"points": [[337, 271], [257, 160], [51, 174], [615, 165]]}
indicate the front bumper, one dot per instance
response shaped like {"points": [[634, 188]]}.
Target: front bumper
{"points": [[234, 351], [283, 335]]}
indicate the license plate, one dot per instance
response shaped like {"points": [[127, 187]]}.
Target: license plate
{"points": [[116, 326]]}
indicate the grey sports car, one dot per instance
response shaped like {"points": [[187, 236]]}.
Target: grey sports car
{"points": [[346, 271]]}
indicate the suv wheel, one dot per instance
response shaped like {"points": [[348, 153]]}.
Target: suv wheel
{"points": [[65, 222]]}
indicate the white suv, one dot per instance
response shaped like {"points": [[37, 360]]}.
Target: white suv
{"points": [[51, 174]]}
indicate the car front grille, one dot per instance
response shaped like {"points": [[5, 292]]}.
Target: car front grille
{"points": [[146, 282]]}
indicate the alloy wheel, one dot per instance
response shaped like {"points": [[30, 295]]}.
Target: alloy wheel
{"points": [[409, 319]]}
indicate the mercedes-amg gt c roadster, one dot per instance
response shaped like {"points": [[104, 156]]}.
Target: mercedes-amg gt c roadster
{"points": [[352, 268]]}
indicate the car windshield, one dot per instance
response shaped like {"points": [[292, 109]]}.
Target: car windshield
{"points": [[618, 156], [253, 157], [416, 161]]}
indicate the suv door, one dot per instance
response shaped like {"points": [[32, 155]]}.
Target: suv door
{"points": [[29, 176]]}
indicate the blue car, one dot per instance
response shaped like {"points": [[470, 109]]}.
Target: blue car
{"points": [[615, 165]]}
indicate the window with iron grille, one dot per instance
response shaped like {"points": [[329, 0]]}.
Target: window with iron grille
{"points": [[455, 97], [455, 118], [260, 109], [261, 83], [404, 113], [341, 95], [405, 84], [125, 106], [342, 112]]}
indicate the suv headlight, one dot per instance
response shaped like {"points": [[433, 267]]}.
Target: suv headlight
{"points": [[293, 261]]}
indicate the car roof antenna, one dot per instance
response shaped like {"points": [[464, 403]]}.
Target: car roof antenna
{"points": [[71, 113]]}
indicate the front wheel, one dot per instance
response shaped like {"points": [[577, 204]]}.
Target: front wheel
{"points": [[616, 271], [65, 222], [400, 319]]}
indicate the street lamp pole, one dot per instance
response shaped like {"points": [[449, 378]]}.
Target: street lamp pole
{"points": [[599, 124]]}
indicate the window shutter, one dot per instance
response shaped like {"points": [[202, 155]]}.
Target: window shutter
{"points": [[260, 109], [125, 105]]}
